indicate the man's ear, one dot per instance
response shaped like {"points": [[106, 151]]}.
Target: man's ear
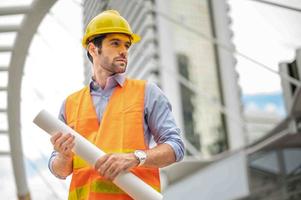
{"points": [[92, 49]]}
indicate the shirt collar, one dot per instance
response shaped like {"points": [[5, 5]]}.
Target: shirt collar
{"points": [[112, 81], [120, 78]]}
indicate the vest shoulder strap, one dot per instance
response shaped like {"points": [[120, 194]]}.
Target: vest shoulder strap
{"points": [[72, 103]]}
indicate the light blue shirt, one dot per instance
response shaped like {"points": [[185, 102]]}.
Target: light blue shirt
{"points": [[159, 123]]}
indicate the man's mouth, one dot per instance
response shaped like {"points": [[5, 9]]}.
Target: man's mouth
{"points": [[122, 60]]}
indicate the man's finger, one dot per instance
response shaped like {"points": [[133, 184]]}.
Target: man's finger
{"points": [[101, 161], [55, 136], [68, 142], [105, 166], [113, 172], [60, 141]]}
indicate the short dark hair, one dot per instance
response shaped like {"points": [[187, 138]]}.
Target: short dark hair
{"points": [[97, 41]]}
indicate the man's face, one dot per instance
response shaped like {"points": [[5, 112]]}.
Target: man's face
{"points": [[112, 55]]}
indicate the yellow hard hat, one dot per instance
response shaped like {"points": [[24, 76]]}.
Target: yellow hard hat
{"points": [[109, 21]]}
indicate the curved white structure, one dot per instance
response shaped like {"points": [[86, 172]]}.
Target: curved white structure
{"points": [[33, 15]]}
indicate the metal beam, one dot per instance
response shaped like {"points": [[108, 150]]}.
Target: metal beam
{"points": [[3, 132], [14, 10], [278, 5], [6, 48], [3, 69], [2, 110], [9, 28], [4, 153], [3, 88]]}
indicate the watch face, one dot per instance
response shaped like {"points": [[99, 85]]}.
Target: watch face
{"points": [[141, 154]]}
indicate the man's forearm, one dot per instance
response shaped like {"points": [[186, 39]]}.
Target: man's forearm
{"points": [[160, 156], [62, 166]]}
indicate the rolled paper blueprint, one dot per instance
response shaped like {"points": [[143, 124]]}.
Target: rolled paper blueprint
{"points": [[128, 182]]}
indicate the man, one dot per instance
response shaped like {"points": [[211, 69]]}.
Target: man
{"points": [[119, 115]]}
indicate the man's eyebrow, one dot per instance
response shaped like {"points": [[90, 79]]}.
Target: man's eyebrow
{"points": [[114, 39], [118, 40]]}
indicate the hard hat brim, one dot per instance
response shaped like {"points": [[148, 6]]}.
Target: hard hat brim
{"points": [[134, 37]]}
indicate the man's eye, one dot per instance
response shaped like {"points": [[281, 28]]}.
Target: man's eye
{"points": [[115, 43]]}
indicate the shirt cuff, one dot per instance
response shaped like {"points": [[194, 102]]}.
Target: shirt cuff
{"points": [[51, 159], [179, 152]]}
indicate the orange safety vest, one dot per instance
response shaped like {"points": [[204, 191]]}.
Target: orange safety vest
{"points": [[120, 131]]}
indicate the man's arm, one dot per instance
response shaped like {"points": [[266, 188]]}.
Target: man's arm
{"points": [[60, 163], [160, 156], [162, 126]]}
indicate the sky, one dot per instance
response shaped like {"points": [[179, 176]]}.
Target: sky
{"points": [[269, 35], [54, 68]]}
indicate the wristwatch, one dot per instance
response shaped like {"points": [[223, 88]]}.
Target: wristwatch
{"points": [[141, 156]]}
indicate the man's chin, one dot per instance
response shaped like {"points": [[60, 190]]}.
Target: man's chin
{"points": [[121, 69]]}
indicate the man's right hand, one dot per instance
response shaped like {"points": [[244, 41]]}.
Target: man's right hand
{"points": [[63, 143]]}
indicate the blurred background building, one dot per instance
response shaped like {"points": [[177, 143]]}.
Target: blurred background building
{"points": [[231, 70]]}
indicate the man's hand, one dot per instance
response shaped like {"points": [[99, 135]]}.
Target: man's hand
{"points": [[63, 143], [110, 165]]}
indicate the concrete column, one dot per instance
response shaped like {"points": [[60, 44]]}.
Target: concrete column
{"points": [[168, 65], [228, 75]]}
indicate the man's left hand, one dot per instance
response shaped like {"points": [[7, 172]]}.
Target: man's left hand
{"points": [[110, 165]]}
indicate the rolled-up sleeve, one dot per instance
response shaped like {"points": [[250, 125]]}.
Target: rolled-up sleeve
{"points": [[160, 121]]}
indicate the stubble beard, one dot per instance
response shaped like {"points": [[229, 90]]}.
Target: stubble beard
{"points": [[119, 68], [112, 66]]}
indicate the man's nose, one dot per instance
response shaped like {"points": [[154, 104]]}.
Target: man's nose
{"points": [[123, 51]]}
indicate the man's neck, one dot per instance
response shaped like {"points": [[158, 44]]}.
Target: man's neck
{"points": [[101, 79]]}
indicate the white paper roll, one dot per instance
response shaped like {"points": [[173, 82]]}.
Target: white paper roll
{"points": [[128, 182]]}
